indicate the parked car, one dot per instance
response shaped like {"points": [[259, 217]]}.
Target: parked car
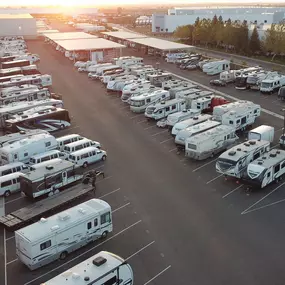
{"points": [[217, 82]]}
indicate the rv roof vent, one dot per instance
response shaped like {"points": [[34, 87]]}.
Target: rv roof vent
{"points": [[43, 220], [49, 167], [25, 116], [86, 278], [260, 162], [98, 261], [184, 111], [272, 154], [239, 149], [252, 142], [232, 153], [277, 151], [81, 211], [246, 144], [22, 132], [76, 276], [64, 216], [195, 118], [264, 157], [54, 228]]}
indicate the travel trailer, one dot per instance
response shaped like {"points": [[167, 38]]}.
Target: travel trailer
{"points": [[209, 143], [228, 76], [39, 80], [138, 104], [162, 109], [15, 89], [102, 268], [10, 71], [157, 78], [173, 119], [216, 67], [241, 118], [106, 78], [193, 130], [23, 149], [15, 63], [234, 161], [55, 237], [264, 133], [47, 118], [268, 168], [50, 179], [272, 83]]}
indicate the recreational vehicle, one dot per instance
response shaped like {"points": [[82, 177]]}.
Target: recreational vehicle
{"points": [[15, 89], [254, 80], [15, 63], [193, 130], [157, 78], [168, 84], [228, 76], [139, 103], [23, 149], [234, 161], [128, 60], [106, 78], [268, 168], [172, 119], [216, 67], [8, 78], [32, 58], [101, 71], [119, 82], [55, 237], [173, 57], [272, 83], [242, 75], [47, 118], [180, 88], [102, 268], [209, 143], [135, 91], [162, 109], [208, 103], [10, 71], [128, 89], [39, 80]]}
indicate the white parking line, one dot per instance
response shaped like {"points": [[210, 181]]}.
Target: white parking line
{"points": [[265, 206], [150, 127], [114, 211], [10, 238], [125, 107], [105, 195], [137, 116], [250, 207], [173, 149], [232, 191], [159, 133], [140, 250], [11, 261], [82, 254], [214, 179], [204, 165], [166, 141], [157, 275], [142, 121]]}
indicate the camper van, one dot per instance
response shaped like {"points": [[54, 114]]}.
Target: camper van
{"points": [[55, 237], [172, 119], [138, 104], [23, 149], [234, 161], [268, 168], [80, 144], [209, 143], [162, 109], [102, 268], [46, 156], [272, 84], [216, 67], [12, 168], [64, 140], [10, 183], [193, 130]]}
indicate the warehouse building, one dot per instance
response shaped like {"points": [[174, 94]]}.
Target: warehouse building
{"points": [[18, 25]]}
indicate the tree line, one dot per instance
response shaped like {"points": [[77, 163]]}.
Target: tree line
{"points": [[233, 36]]}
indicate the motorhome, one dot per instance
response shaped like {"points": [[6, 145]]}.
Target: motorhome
{"points": [[268, 168], [172, 83], [50, 179], [90, 66], [157, 78], [209, 143], [106, 78], [253, 80], [173, 57], [241, 118], [179, 88], [220, 110], [173, 119], [143, 72], [7, 111], [264, 133], [162, 109], [23, 149], [128, 60], [139, 103], [228, 76], [102, 268], [235, 160], [272, 83], [120, 82], [39, 80], [193, 130], [14, 89], [101, 71], [134, 89], [30, 70], [216, 67], [55, 237], [47, 118], [8, 78], [207, 104]]}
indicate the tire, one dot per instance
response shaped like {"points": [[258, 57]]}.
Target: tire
{"points": [[7, 193], [85, 164], [104, 234], [63, 255], [62, 126], [104, 157]]}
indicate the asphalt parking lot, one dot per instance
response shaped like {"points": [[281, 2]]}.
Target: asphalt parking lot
{"points": [[176, 220]]}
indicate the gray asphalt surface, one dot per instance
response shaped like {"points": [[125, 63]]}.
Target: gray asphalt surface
{"points": [[181, 213]]}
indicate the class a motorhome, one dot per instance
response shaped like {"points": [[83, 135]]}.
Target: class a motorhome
{"points": [[162, 109], [49, 179], [271, 83], [268, 168], [184, 134], [138, 104], [23, 149], [44, 80], [157, 78], [131, 87], [234, 161], [210, 143], [101, 71], [144, 73], [93, 67], [102, 268], [14, 89], [55, 237], [241, 118], [106, 78], [216, 67], [172, 119]]}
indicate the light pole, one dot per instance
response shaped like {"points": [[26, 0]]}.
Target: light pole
{"points": [[283, 130]]}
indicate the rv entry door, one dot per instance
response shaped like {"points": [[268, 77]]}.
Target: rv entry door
{"points": [[64, 178]]}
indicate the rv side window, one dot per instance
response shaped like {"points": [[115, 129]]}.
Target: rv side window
{"points": [[15, 156], [276, 168], [6, 172], [46, 158], [6, 183], [228, 136], [283, 165], [231, 122], [105, 218], [148, 100], [173, 107], [48, 144], [255, 111], [257, 155], [95, 222], [167, 109], [268, 174], [26, 154], [89, 225], [45, 245], [243, 120]]}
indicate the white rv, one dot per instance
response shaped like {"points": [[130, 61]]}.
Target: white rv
{"points": [[172, 119], [179, 88], [241, 118], [254, 80], [264, 133], [120, 82], [157, 78], [44, 80], [101, 71], [106, 78], [216, 67], [130, 88], [209, 143], [228, 76], [168, 84], [23, 149], [102, 268], [28, 56], [55, 237], [128, 60], [272, 84], [193, 130], [192, 94], [92, 66], [162, 109], [173, 57], [139, 103], [234, 161], [268, 168], [135, 91], [15, 89]]}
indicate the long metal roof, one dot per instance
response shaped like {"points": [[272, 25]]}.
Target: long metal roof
{"points": [[124, 35], [88, 44], [68, 36]]}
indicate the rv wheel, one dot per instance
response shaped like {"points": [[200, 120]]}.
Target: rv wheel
{"points": [[85, 164], [7, 193], [63, 255], [104, 234], [104, 157]]}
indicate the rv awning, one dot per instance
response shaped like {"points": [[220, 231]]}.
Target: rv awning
{"points": [[124, 35], [88, 44], [68, 36]]}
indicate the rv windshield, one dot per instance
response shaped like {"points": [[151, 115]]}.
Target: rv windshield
{"points": [[240, 81], [138, 103], [226, 164], [150, 110], [255, 174], [266, 84]]}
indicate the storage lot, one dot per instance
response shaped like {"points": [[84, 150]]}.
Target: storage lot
{"points": [[169, 211]]}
